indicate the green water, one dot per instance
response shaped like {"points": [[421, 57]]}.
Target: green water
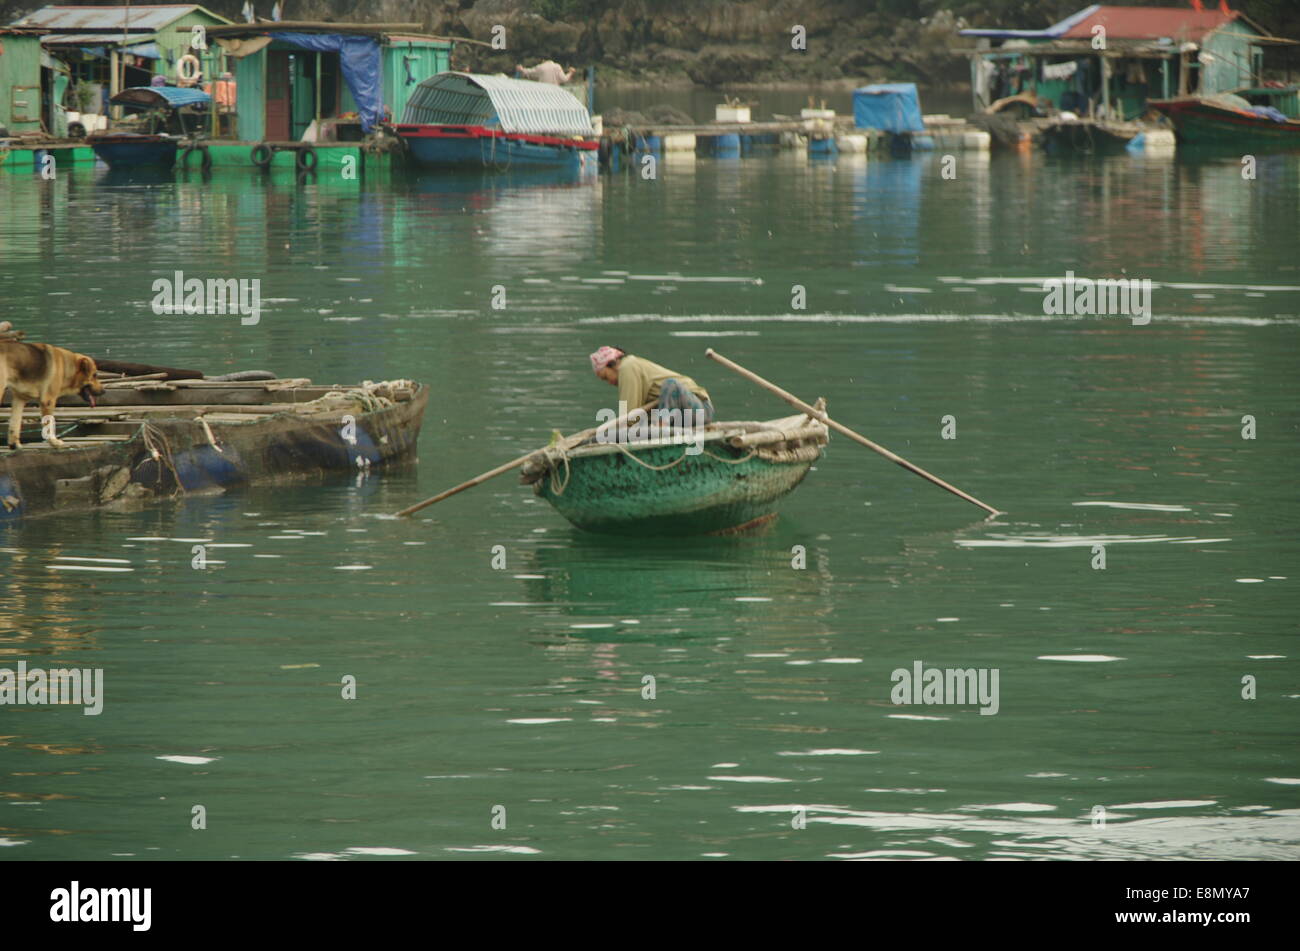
{"points": [[523, 688]]}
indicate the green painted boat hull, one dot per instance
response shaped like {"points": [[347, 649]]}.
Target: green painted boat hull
{"points": [[1201, 123], [698, 495]]}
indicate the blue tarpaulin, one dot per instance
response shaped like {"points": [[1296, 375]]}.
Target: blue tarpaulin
{"points": [[144, 50], [360, 61], [890, 107], [1268, 112], [154, 97]]}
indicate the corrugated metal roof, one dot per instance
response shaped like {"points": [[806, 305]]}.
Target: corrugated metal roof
{"points": [[92, 39], [1152, 23], [137, 18], [514, 105], [1052, 32]]}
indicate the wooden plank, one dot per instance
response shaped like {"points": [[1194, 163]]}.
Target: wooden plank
{"points": [[130, 382], [136, 370], [178, 412]]}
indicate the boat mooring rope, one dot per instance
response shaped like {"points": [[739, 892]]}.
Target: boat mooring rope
{"points": [[150, 434], [212, 440], [40, 431], [552, 456]]}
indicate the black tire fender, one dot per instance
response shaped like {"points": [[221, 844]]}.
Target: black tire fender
{"points": [[205, 157]]}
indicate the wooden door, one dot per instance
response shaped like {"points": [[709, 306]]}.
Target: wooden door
{"points": [[278, 112]]}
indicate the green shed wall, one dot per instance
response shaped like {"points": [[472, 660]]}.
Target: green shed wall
{"points": [[425, 60], [250, 93], [1230, 67], [20, 65], [174, 45]]}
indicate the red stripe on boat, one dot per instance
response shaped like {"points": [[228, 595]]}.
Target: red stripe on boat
{"points": [[483, 132]]}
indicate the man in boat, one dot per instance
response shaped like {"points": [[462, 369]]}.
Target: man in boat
{"points": [[547, 71], [642, 382]]}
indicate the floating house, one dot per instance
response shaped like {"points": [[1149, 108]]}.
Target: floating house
{"points": [[327, 81], [1108, 61], [114, 48]]}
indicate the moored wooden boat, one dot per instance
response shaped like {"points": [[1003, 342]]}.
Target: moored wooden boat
{"points": [[1232, 121], [135, 150], [657, 487], [1085, 136], [462, 120], [167, 437], [122, 149]]}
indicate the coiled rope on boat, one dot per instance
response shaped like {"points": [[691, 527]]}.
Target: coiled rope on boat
{"points": [[367, 396], [554, 455]]}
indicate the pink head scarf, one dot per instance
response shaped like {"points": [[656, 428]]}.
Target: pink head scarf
{"points": [[604, 357]]}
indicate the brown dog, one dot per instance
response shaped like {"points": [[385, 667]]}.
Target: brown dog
{"points": [[42, 373]]}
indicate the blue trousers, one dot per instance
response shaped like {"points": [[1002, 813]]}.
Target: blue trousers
{"points": [[672, 395]]}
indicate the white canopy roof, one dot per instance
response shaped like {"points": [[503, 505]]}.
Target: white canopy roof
{"points": [[513, 105]]}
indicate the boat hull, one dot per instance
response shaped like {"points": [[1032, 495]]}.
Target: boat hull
{"points": [[722, 489], [1197, 122], [134, 151], [193, 458], [1086, 137], [449, 147]]}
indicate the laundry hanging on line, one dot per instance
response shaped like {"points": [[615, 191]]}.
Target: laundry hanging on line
{"points": [[1060, 70]]}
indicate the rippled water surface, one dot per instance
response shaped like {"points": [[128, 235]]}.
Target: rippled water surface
{"points": [[525, 688]]}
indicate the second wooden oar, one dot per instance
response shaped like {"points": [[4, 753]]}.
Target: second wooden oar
{"points": [[565, 444], [857, 437]]}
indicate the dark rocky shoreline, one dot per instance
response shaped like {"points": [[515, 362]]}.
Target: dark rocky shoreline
{"points": [[673, 43]]}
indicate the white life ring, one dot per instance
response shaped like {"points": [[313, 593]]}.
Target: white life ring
{"points": [[188, 75]]}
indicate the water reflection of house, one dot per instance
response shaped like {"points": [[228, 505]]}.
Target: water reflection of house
{"points": [[1147, 53], [343, 78], [114, 48]]}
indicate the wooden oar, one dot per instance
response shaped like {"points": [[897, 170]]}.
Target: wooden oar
{"points": [[568, 443], [856, 437]]}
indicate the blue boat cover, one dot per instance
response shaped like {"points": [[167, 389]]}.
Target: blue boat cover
{"points": [[152, 97], [890, 107], [1268, 112], [361, 64]]}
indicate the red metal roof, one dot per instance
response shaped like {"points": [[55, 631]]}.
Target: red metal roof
{"points": [[1181, 24]]}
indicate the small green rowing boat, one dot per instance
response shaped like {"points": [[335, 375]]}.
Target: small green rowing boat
{"points": [[665, 487]]}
